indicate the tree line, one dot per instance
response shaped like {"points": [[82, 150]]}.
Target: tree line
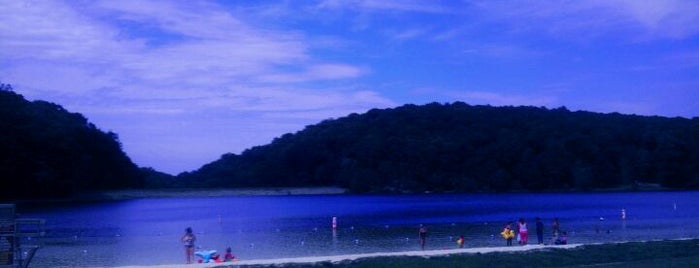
{"points": [[458, 147], [48, 152]]}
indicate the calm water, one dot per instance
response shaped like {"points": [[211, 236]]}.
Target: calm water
{"points": [[147, 231]]}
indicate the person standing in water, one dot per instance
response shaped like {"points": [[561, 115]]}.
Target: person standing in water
{"points": [[508, 233], [523, 232], [188, 240], [422, 234], [556, 228], [539, 231]]}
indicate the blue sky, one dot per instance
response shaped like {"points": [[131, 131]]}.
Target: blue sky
{"points": [[183, 82]]}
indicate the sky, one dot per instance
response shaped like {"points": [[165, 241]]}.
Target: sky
{"points": [[184, 82]]}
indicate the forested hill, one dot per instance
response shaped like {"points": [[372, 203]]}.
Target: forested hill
{"points": [[48, 152], [462, 148]]}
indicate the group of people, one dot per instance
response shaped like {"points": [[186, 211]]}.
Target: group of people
{"points": [[522, 234], [508, 233], [205, 256]]}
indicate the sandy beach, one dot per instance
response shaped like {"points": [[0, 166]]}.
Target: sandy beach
{"points": [[665, 253], [351, 257]]}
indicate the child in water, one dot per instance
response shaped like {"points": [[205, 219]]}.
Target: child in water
{"points": [[229, 256], [563, 239], [460, 241], [508, 233]]}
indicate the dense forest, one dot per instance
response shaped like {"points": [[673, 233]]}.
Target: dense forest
{"points": [[48, 152], [462, 148]]}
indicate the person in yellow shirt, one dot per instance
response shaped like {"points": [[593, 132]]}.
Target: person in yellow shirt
{"points": [[508, 233]]}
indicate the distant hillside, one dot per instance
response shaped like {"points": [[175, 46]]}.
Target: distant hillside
{"points": [[47, 152], [460, 148]]}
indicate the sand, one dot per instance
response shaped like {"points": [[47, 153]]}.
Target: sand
{"points": [[350, 257]]}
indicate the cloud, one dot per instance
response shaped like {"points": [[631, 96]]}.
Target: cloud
{"points": [[384, 5], [496, 50], [591, 19], [212, 49], [315, 73], [408, 34], [671, 18], [49, 30], [149, 69]]}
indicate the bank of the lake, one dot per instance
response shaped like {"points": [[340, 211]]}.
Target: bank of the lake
{"points": [[207, 192], [129, 194], [666, 253]]}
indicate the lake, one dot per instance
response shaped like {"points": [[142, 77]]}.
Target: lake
{"points": [[147, 231]]}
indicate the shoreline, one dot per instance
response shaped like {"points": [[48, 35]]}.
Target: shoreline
{"points": [[207, 192], [129, 194], [354, 257], [393, 259]]}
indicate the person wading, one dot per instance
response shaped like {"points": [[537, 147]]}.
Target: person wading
{"points": [[188, 240], [422, 234]]}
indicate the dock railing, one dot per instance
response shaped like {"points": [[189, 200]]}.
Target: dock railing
{"points": [[17, 243]]}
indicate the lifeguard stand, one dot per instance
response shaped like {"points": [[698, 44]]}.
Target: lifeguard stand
{"points": [[15, 251]]}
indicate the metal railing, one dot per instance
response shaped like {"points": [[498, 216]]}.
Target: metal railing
{"points": [[14, 232]]}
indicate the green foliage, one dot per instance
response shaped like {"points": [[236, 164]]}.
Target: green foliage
{"points": [[46, 152], [462, 148]]}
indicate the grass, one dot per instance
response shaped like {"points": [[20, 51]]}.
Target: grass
{"points": [[674, 253]]}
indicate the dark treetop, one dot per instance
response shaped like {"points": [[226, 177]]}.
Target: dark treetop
{"points": [[460, 148], [48, 152]]}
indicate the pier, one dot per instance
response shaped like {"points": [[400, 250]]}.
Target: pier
{"points": [[17, 246]]}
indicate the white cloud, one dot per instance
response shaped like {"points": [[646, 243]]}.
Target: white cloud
{"points": [[387, 5], [669, 18], [49, 30], [214, 49], [317, 72], [156, 63], [584, 20]]}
